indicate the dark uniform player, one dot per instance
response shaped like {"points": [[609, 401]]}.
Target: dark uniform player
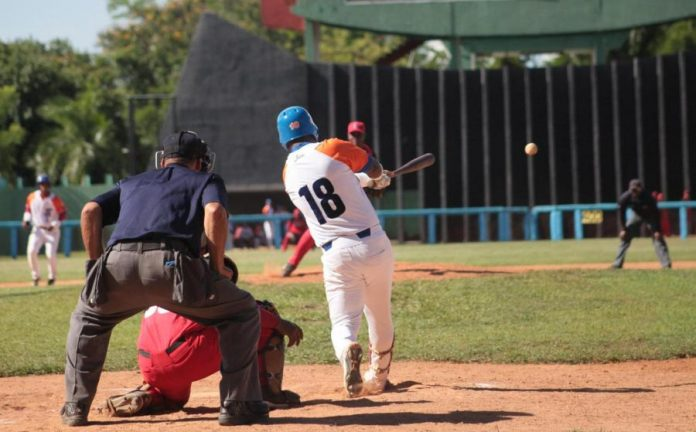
{"points": [[153, 258], [645, 211]]}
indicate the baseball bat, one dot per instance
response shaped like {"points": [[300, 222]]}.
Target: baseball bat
{"points": [[416, 164]]}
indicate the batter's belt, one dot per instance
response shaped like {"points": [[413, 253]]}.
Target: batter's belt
{"points": [[360, 234]]}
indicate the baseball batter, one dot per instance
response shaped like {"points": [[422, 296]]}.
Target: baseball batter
{"points": [[356, 135], [44, 211], [357, 258]]}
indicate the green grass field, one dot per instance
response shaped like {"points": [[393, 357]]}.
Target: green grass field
{"points": [[562, 316]]}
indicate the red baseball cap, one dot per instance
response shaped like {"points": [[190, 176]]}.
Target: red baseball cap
{"points": [[356, 126]]}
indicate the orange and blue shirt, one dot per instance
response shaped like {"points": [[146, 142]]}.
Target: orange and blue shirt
{"points": [[320, 180], [40, 211]]}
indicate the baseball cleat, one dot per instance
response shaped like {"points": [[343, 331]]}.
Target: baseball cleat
{"points": [[375, 380], [51, 281], [288, 269], [351, 369], [35, 281]]}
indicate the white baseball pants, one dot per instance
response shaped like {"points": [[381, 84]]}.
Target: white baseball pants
{"points": [[358, 279], [40, 237]]}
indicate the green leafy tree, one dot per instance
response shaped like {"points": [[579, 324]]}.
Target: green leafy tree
{"points": [[72, 145], [11, 132], [37, 72]]}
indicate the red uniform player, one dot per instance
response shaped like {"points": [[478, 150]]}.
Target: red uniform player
{"points": [[294, 229], [174, 351]]}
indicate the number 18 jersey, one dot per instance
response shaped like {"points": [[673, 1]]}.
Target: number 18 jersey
{"points": [[320, 180]]}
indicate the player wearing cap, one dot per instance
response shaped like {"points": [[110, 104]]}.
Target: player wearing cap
{"points": [[44, 211], [356, 135], [357, 257]]}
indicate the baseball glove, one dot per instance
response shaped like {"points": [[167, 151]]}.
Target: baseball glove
{"points": [[134, 402]]}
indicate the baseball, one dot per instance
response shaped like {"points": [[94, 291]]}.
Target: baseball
{"points": [[531, 149]]}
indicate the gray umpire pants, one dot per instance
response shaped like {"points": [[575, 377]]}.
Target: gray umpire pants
{"points": [[128, 279], [633, 230]]}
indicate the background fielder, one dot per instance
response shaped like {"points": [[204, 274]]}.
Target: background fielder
{"points": [[357, 258], [44, 211]]}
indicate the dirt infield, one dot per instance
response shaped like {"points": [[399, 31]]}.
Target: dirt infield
{"points": [[634, 396], [412, 271]]}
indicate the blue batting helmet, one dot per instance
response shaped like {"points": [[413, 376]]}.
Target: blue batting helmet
{"points": [[295, 122], [42, 179]]}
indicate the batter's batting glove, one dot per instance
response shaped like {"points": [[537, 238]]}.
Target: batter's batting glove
{"points": [[382, 181]]}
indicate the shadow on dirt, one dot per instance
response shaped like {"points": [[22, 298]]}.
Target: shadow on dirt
{"points": [[371, 419], [359, 403], [561, 390], [402, 418]]}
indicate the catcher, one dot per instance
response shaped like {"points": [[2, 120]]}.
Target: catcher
{"points": [[174, 351]]}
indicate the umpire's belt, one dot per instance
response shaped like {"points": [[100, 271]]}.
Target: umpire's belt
{"points": [[176, 344], [143, 246], [360, 234]]}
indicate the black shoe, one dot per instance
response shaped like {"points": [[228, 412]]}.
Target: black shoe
{"points": [[283, 400], [36, 281], [51, 282], [243, 413], [288, 269], [73, 415]]}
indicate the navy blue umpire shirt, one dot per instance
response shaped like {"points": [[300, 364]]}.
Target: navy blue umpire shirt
{"points": [[166, 203]]}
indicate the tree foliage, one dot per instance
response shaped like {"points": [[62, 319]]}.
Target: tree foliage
{"points": [[66, 112]]}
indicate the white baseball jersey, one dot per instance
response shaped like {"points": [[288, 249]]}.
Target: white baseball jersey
{"points": [[49, 211], [320, 180]]}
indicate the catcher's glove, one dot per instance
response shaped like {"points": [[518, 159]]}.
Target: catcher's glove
{"points": [[135, 402]]}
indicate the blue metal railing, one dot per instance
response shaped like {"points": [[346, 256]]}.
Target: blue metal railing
{"points": [[503, 216], [556, 216]]}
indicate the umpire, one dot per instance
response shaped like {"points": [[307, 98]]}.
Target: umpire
{"points": [[153, 258], [645, 211]]}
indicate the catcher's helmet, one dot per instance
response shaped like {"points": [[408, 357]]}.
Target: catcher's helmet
{"points": [[295, 122], [42, 179]]}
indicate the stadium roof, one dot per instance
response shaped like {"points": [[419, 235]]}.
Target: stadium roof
{"points": [[500, 25]]}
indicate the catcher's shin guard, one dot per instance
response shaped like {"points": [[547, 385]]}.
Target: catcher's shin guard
{"points": [[377, 374], [273, 364]]}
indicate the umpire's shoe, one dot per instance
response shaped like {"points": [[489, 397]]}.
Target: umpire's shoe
{"points": [[234, 413], [72, 414]]}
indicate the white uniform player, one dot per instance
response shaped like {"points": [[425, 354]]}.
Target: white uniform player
{"points": [[357, 257], [45, 212]]}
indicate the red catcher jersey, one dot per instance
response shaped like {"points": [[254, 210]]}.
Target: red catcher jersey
{"points": [[160, 328], [320, 180]]}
